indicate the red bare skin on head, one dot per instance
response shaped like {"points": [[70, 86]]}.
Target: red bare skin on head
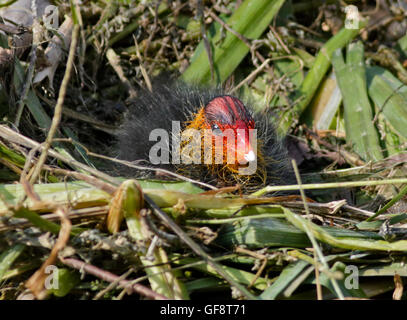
{"points": [[226, 112]]}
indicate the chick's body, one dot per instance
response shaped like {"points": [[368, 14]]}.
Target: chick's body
{"points": [[206, 110]]}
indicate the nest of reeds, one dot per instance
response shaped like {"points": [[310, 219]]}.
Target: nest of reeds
{"points": [[333, 72]]}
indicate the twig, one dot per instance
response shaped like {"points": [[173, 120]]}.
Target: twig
{"points": [[28, 162], [89, 179], [37, 280], [167, 172], [262, 257], [84, 213], [228, 28], [348, 156], [143, 70], [327, 209], [282, 44], [18, 138], [252, 75], [11, 166], [113, 284], [110, 277], [114, 61], [132, 165]]}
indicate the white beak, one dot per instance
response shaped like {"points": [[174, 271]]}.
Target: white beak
{"points": [[250, 156]]}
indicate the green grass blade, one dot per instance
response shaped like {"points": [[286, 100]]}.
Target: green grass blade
{"points": [[8, 257], [250, 20], [289, 273], [259, 233], [316, 74], [235, 274], [345, 243], [270, 232], [390, 96]]}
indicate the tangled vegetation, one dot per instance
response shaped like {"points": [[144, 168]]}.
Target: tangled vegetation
{"points": [[334, 75]]}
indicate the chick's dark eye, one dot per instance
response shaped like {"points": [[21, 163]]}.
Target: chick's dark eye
{"points": [[216, 130]]}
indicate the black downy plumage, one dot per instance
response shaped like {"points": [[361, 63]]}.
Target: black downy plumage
{"points": [[176, 101]]}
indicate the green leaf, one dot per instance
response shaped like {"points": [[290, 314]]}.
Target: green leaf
{"points": [[250, 20], [235, 274], [345, 243], [289, 273], [315, 75], [390, 96], [8, 257], [66, 280], [270, 232]]}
